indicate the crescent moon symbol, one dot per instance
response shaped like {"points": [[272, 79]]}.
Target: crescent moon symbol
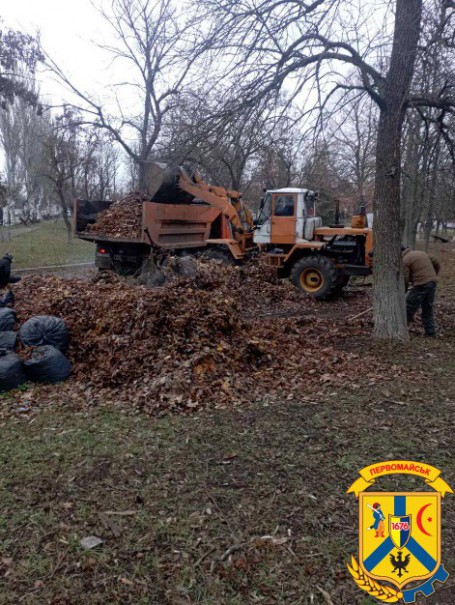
{"points": [[419, 519]]}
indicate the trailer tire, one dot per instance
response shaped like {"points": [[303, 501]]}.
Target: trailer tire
{"points": [[126, 268], [317, 276], [219, 254]]}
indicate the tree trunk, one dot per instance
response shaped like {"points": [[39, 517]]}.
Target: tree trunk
{"points": [[428, 228], [389, 296], [434, 167], [67, 224], [64, 210], [411, 206], [142, 174]]}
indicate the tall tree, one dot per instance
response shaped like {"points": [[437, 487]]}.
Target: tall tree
{"points": [[62, 161], [19, 55], [429, 138], [10, 141], [100, 163], [156, 43], [389, 307], [302, 43], [354, 132], [16, 49]]}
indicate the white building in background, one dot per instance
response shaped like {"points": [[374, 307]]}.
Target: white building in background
{"points": [[11, 215]]}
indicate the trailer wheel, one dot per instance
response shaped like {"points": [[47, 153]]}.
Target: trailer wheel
{"points": [[127, 268], [315, 275], [220, 254]]}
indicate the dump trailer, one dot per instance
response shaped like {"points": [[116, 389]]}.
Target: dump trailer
{"points": [[185, 215]]}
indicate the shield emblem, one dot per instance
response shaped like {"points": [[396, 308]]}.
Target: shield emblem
{"points": [[399, 535], [400, 530]]}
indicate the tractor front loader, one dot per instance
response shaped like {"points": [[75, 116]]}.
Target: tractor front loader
{"points": [[186, 215]]}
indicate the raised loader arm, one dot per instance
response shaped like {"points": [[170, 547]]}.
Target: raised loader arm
{"points": [[168, 184], [172, 185], [218, 197]]}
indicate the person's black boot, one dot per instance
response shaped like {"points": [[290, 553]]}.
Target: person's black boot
{"points": [[13, 279]]}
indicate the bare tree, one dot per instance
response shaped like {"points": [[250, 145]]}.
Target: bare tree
{"points": [[62, 160], [354, 134], [32, 127], [415, 162], [100, 165], [277, 161], [320, 173], [156, 42], [304, 42], [429, 158], [19, 110]]}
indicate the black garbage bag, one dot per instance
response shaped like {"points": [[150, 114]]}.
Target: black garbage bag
{"points": [[11, 371], [8, 340], [7, 319], [47, 364], [44, 330], [7, 299]]}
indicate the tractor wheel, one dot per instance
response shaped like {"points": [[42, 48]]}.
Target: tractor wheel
{"points": [[315, 275]]}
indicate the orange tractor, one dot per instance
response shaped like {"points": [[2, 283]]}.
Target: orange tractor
{"points": [[185, 215]]}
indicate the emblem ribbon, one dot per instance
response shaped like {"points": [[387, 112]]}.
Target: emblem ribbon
{"points": [[430, 474]]}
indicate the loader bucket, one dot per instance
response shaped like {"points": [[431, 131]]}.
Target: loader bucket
{"points": [[162, 184]]}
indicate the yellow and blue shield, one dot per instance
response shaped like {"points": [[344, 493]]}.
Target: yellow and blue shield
{"points": [[400, 529], [400, 535]]}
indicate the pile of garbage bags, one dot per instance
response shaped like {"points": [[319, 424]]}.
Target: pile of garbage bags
{"points": [[44, 341]]}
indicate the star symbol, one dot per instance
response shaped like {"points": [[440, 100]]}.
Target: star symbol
{"points": [[429, 519]]}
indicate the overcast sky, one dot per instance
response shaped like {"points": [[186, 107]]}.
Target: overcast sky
{"points": [[70, 31], [67, 29]]}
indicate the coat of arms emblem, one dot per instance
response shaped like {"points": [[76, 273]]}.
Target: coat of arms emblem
{"points": [[399, 534]]}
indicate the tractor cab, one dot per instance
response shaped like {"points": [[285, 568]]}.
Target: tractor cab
{"points": [[287, 216], [318, 260]]}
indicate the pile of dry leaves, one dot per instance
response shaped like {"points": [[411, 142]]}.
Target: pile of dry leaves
{"points": [[226, 336], [123, 219]]}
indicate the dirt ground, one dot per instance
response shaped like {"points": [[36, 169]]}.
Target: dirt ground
{"points": [[230, 506]]}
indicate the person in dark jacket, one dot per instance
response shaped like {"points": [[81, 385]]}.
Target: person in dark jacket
{"points": [[421, 271], [5, 271]]}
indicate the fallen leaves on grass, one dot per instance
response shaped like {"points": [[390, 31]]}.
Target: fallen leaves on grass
{"points": [[227, 336]]}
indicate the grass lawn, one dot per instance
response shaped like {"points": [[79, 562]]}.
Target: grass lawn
{"points": [[225, 507], [45, 246], [222, 508]]}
